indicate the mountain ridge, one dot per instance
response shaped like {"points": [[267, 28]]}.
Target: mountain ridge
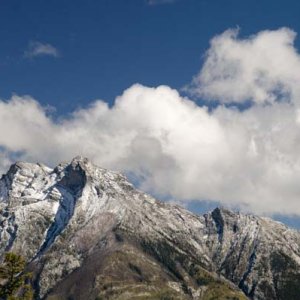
{"points": [[78, 221]]}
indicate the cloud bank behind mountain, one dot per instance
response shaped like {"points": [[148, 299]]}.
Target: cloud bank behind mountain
{"points": [[246, 158]]}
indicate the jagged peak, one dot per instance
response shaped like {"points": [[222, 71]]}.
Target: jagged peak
{"points": [[78, 205], [21, 168], [22, 165], [225, 215], [82, 162], [80, 159], [222, 211]]}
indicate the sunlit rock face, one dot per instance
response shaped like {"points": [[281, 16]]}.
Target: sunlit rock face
{"points": [[87, 232]]}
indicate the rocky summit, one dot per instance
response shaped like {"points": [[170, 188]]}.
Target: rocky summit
{"points": [[87, 233]]}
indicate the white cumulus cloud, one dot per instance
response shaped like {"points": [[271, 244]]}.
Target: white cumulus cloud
{"points": [[176, 148], [263, 68]]}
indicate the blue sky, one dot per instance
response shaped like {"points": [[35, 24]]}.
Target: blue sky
{"points": [[66, 54], [107, 45]]}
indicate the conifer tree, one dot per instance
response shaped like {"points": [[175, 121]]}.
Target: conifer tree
{"points": [[13, 278]]}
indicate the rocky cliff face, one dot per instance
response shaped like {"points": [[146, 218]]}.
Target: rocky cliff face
{"points": [[87, 233]]}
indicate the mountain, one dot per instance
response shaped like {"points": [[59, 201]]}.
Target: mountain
{"points": [[87, 233]]}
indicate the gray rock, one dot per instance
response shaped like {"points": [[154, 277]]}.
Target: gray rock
{"points": [[57, 218]]}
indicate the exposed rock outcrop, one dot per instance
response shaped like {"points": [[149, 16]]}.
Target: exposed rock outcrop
{"points": [[88, 233]]}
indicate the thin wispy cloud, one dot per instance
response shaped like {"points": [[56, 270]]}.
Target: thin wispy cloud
{"points": [[159, 2], [36, 48]]}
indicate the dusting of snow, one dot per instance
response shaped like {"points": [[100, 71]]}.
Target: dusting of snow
{"points": [[78, 202]]}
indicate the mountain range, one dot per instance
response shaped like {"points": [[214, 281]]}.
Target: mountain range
{"points": [[88, 233]]}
